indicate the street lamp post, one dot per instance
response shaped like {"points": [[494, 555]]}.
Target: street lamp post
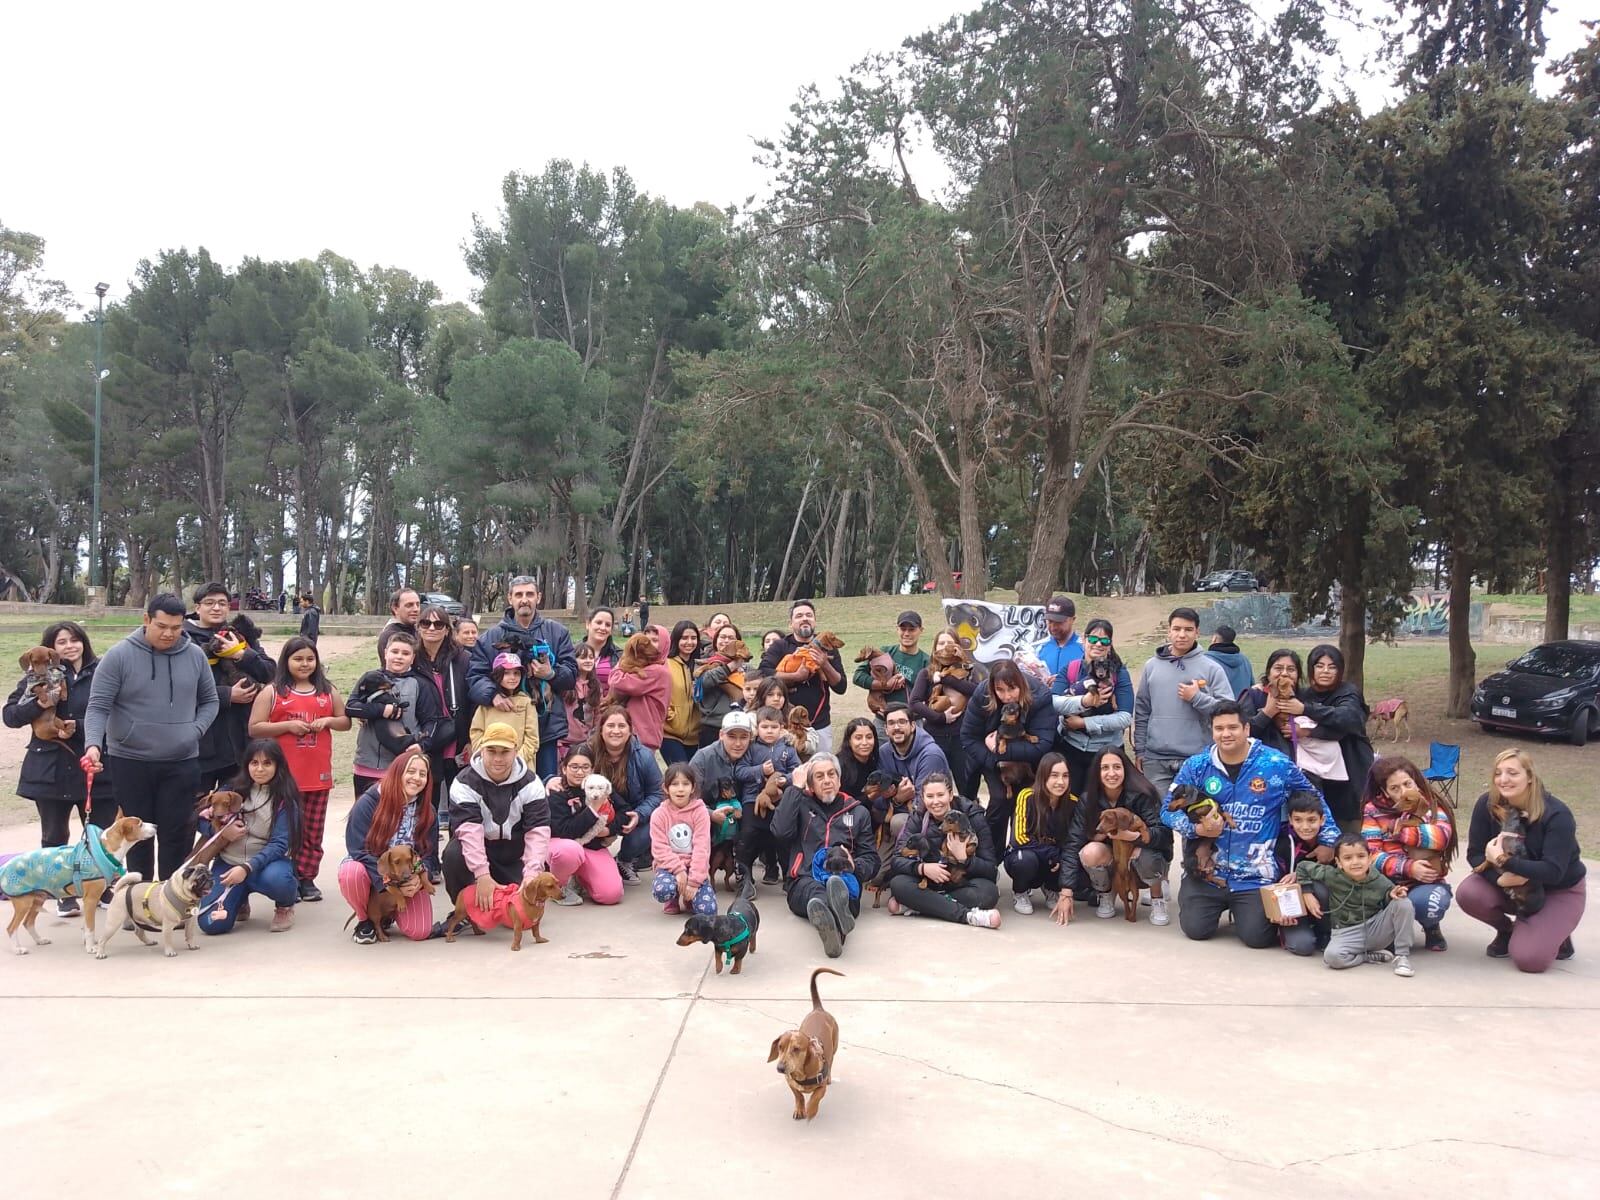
{"points": [[100, 290]]}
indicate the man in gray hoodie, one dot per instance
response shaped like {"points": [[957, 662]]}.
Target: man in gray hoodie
{"points": [[152, 698], [1178, 688]]}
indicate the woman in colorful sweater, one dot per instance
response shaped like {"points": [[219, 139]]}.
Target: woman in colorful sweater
{"points": [[1411, 832]]}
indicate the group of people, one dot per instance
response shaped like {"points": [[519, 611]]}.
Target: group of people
{"points": [[498, 751]]}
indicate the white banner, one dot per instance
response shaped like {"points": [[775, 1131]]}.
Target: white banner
{"points": [[991, 632]]}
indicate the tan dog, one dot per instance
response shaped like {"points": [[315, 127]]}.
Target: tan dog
{"points": [[952, 666], [771, 792], [523, 911], [49, 872], [153, 906], [1391, 716], [640, 652], [46, 679], [805, 1055], [797, 729], [1124, 881]]}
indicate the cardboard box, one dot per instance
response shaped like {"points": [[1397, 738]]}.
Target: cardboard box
{"points": [[1283, 901]]}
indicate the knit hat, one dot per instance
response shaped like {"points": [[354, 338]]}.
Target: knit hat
{"points": [[499, 734]]}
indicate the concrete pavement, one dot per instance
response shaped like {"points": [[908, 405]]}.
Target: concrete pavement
{"points": [[610, 1062]]}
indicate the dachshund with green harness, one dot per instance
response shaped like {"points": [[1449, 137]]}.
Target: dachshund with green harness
{"points": [[732, 934]]}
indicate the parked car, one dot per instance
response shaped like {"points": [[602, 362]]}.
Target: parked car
{"points": [[1228, 581], [449, 603], [1553, 688]]}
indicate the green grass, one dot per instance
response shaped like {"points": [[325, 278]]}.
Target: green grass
{"points": [[1585, 609]]}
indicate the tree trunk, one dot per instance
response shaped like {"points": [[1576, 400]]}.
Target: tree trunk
{"points": [[794, 529], [935, 560], [841, 527], [1352, 604], [1463, 661], [1558, 550]]}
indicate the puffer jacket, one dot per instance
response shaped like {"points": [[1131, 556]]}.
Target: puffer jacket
{"points": [[50, 769], [985, 864]]}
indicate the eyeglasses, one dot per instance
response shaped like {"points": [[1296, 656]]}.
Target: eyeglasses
{"points": [[1096, 640], [431, 623]]}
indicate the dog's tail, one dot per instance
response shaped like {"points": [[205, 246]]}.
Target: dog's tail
{"points": [[816, 1000]]}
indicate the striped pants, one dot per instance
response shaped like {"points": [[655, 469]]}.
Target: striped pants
{"points": [[416, 922]]}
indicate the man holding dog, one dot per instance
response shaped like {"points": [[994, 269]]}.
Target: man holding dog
{"points": [[909, 661], [812, 820], [499, 820], [550, 662], [239, 669], [152, 700], [808, 687]]}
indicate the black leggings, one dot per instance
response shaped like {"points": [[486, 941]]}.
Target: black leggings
{"points": [[756, 841], [162, 793], [945, 903]]}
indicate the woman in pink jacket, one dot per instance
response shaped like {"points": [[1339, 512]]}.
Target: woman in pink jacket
{"points": [[641, 683], [680, 846]]}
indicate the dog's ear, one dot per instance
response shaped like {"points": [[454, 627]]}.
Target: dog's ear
{"points": [[26, 659], [773, 1056]]}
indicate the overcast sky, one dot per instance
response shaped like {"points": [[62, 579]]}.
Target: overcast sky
{"points": [[377, 130]]}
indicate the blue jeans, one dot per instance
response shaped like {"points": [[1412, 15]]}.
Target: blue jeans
{"points": [[545, 762], [674, 751], [275, 881], [635, 846], [664, 887], [1430, 901]]}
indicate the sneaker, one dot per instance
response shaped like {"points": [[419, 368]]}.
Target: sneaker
{"points": [[569, 894], [1500, 947], [1050, 898], [310, 893], [1105, 905], [839, 904], [821, 918], [1566, 951], [68, 907], [770, 875], [366, 933], [983, 918], [1022, 904], [1402, 967], [1145, 899], [435, 876], [244, 912], [671, 908], [1433, 938], [440, 928], [282, 920], [1158, 912], [629, 875], [1379, 956]]}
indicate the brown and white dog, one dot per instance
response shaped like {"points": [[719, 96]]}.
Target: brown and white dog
{"points": [[157, 906], [46, 679], [805, 1055], [31, 878]]}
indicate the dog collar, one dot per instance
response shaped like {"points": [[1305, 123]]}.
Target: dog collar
{"points": [[743, 936], [817, 1080]]}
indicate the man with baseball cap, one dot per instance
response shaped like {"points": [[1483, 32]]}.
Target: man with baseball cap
{"points": [[1062, 646], [499, 820], [729, 778], [908, 663]]}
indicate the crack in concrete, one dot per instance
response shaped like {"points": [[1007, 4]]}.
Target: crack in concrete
{"points": [[1436, 1141]]}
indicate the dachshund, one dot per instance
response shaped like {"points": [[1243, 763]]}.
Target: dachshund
{"points": [[797, 728], [1526, 898], [1203, 851], [805, 1055], [1425, 854], [1124, 882], [731, 935], [221, 809], [396, 866], [922, 848], [46, 679], [882, 668], [771, 792], [734, 657], [519, 906], [880, 787], [641, 651], [952, 665], [811, 656], [722, 857], [1011, 727]]}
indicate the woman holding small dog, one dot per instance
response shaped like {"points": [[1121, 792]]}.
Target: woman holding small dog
{"points": [[636, 787], [51, 776], [1010, 720], [1040, 824], [1093, 696], [1114, 782], [954, 882], [944, 725], [395, 811], [581, 836], [1550, 857], [259, 849], [719, 678], [1411, 832], [642, 683], [1332, 747]]}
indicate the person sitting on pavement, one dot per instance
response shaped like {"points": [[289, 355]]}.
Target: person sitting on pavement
{"points": [[580, 838], [730, 776], [948, 881], [635, 786], [397, 810], [909, 662], [1114, 782], [1411, 832], [908, 754], [1038, 832], [1252, 783], [819, 817]]}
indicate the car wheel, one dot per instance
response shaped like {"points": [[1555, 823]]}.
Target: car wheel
{"points": [[1578, 735], [1485, 726]]}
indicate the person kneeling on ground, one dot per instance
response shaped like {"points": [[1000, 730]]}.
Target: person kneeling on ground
{"points": [[581, 836], [259, 849], [1114, 782], [1301, 841], [813, 816], [395, 811], [922, 886], [499, 821], [1251, 784], [1367, 912], [680, 847]]}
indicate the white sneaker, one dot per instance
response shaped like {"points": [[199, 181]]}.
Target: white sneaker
{"points": [[983, 918], [1145, 900], [1380, 956], [1158, 911], [569, 894], [1023, 904], [1402, 967], [1106, 905]]}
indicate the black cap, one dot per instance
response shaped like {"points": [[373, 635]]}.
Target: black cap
{"points": [[910, 617], [1060, 608]]}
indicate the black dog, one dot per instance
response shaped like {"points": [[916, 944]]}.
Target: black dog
{"points": [[732, 935], [377, 689], [1526, 898]]}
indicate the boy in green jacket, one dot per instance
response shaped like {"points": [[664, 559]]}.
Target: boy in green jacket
{"points": [[1368, 914]]}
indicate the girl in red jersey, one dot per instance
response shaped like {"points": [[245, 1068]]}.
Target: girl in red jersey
{"points": [[301, 709]]}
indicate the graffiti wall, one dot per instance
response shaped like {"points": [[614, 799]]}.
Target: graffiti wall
{"points": [[1427, 614]]}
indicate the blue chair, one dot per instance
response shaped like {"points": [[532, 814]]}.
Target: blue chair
{"points": [[1444, 767]]}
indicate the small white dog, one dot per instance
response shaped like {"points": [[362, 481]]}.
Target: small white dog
{"points": [[597, 794]]}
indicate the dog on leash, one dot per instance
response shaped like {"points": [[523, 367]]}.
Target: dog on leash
{"points": [[396, 867], [519, 907], [805, 1055], [44, 678], [82, 872], [152, 907], [731, 935], [1124, 882], [221, 809], [1392, 716]]}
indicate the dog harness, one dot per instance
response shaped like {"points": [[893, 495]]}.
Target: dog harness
{"points": [[141, 915], [61, 871], [741, 937]]}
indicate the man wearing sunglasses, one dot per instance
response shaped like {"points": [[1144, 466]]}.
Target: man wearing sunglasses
{"points": [[1062, 646]]}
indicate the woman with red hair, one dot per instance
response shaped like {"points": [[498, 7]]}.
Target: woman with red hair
{"points": [[395, 811]]}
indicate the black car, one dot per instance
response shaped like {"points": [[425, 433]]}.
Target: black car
{"points": [[1228, 581], [1553, 688], [450, 604]]}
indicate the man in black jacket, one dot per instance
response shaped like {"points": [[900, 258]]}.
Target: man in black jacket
{"points": [[310, 618], [807, 687], [238, 668], [971, 901], [810, 822], [549, 661]]}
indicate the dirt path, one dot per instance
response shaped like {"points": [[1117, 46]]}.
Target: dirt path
{"points": [[14, 742]]}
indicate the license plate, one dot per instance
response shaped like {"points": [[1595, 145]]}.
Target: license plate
{"points": [[1503, 712]]}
